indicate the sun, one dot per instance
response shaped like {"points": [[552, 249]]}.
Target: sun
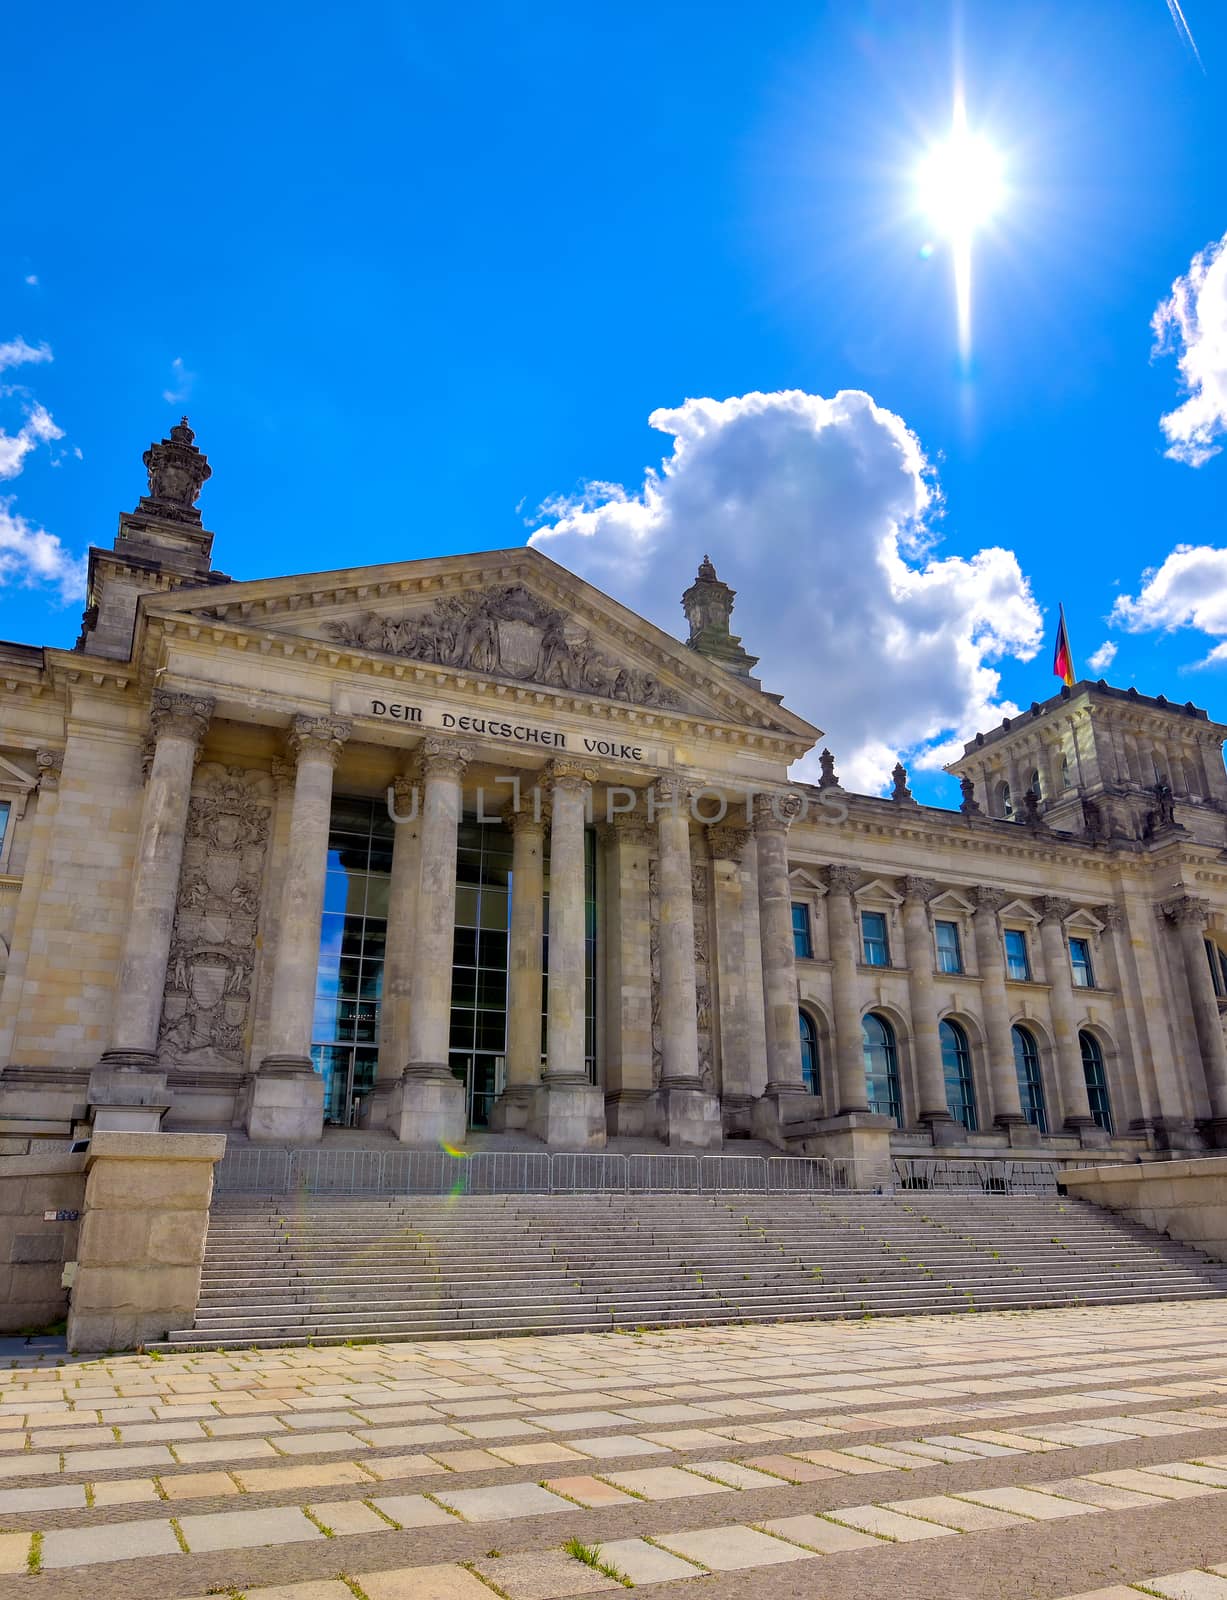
{"points": [[960, 187]]}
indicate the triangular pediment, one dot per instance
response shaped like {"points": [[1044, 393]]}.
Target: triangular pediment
{"points": [[512, 616]]}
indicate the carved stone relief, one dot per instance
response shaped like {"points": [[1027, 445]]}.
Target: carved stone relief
{"points": [[509, 633], [213, 945]]}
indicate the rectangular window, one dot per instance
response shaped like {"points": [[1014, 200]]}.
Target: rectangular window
{"points": [[1218, 968], [874, 944], [1017, 961], [802, 938], [949, 950], [1080, 961]]}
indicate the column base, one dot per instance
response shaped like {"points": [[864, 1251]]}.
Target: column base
{"points": [[777, 1109], [1018, 1131], [1090, 1135], [861, 1141], [736, 1111], [1215, 1133], [942, 1128], [687, 1117], [127, 1093], [1172, 1133], [376, 1105], [512, 1111], [627, 1114], [428, 1107], [568, 1114], [287, 1102]]}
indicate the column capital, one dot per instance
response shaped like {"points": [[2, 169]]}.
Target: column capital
{"points": [[1186, 910], [776, 811], [567, 776], [50, 764], [442, 758], [1111, 915], [524, 818], [627, 827], [318, 736], [727, 842], [282, 771], [841, 880], [1054, 908], [921, 889], [183, 716], [989, 899]]}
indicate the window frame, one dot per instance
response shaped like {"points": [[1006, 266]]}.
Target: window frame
{"points": [[867, 941], [812, 1074], [889, 1046], [802, 934], [958, 969], [958, 1074], [1098, 1093], [1029, 1072], [1011, 975], [1085, 964]]}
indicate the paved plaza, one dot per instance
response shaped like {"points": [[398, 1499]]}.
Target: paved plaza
{"points": [[1041, 1454]]}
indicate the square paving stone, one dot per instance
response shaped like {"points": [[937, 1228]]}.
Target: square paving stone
{"points": [[320, 1475], [198, 1485], [1028, 1502], [411, 1510], [348, 1516], [245, 1530], [828, 1538], [1152, 1483], [503, 1428], [125, 1492], [422, 1583], [838, 1461], [543, 1575], [590, 1492], [664, 1483], [416, 1466], [14, 1552], [317, 1444], [958, 1514], [889, 1524], [467, 1460], [1189, 1586], [564, 1421], [424, 1433], [139, 1455], [496, 1504], [792, 1468], [113, 1541], [224, 1450], [1103, 1495], [1194, 1473], [311, 1589], [532, 1455], [52, 1497], [642, 1562], [605, 1449], [731, 1548]]}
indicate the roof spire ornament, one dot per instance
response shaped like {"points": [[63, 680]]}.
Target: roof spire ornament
{"points": [[708, 605], [177, 473]]}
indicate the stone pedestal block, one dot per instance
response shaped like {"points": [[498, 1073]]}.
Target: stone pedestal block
{"points": [[128, 1093], [513, 1109], [627, 1113], [569, 1115], [142, 1237], [287, 1103], [428, 1109], [1090, 1135], [860, 1137], [688, 1118], [771, 1114], [943, 1129]]}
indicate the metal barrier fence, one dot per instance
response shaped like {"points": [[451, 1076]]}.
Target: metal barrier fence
{"points": [[248, 1170]]}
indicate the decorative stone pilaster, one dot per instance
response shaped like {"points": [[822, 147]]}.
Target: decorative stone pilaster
{"points": [[430, 1104], [687, 1116], [728, 846], [626, 840], [786, 1098], [49, 764], [287, 1097], [851, 1088], [1002, 1071], [127, 1089], [930, 1074], [568, 1110], [1053, 911], [1188, 915], [513, 1107], [404, 801]]}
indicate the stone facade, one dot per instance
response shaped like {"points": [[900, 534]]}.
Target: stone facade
{"points": [[695, 949]]}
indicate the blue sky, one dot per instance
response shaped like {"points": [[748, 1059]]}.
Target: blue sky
{"points": [[416, 274]]}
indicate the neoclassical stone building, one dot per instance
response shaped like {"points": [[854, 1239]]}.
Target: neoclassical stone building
{"points": [[461, 842]]}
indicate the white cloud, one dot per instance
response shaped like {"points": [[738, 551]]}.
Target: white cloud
{"points": [[17, 353], [1100, 660], [32, 279], [30, 555], [181, 383], [38, 428], [1193, 322], [1189, 590], [814, 510]]}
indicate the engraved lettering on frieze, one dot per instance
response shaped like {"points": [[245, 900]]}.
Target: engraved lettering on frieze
{"points": [[508, 633], [213, 945]]}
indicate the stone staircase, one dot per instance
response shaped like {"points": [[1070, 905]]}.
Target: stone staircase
{"points": [[291, 1270]]}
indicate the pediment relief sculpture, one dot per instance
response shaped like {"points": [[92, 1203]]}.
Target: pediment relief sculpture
{"points": [[508, 633]]}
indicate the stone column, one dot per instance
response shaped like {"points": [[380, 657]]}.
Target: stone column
{"points": [[852, 1093], [404, 795], [1141, 1097], [1002, 1071], [568, 1110], [1188, 913], [49, 763], [930, 1074], [628, 1062], [786, 1098], [126, 1088], [287, 1097], [429, 1105], [1066, 1049], [687, 1116], [514, 1106], [727, 845], [756, 1013]]}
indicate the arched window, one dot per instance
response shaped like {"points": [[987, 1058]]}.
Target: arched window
{"points": [[956, 1064], [809, 1053], [1005, 804], [1065, 772], [881, 1067], [1096, 1080], [1030, 1083], [1035, 783]]}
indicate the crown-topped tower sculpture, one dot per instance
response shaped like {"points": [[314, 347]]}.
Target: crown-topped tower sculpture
{"points": [[177, 473], [708, 605]]}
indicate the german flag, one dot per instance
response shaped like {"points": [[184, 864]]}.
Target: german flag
{"points": [[1063, 656]]}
